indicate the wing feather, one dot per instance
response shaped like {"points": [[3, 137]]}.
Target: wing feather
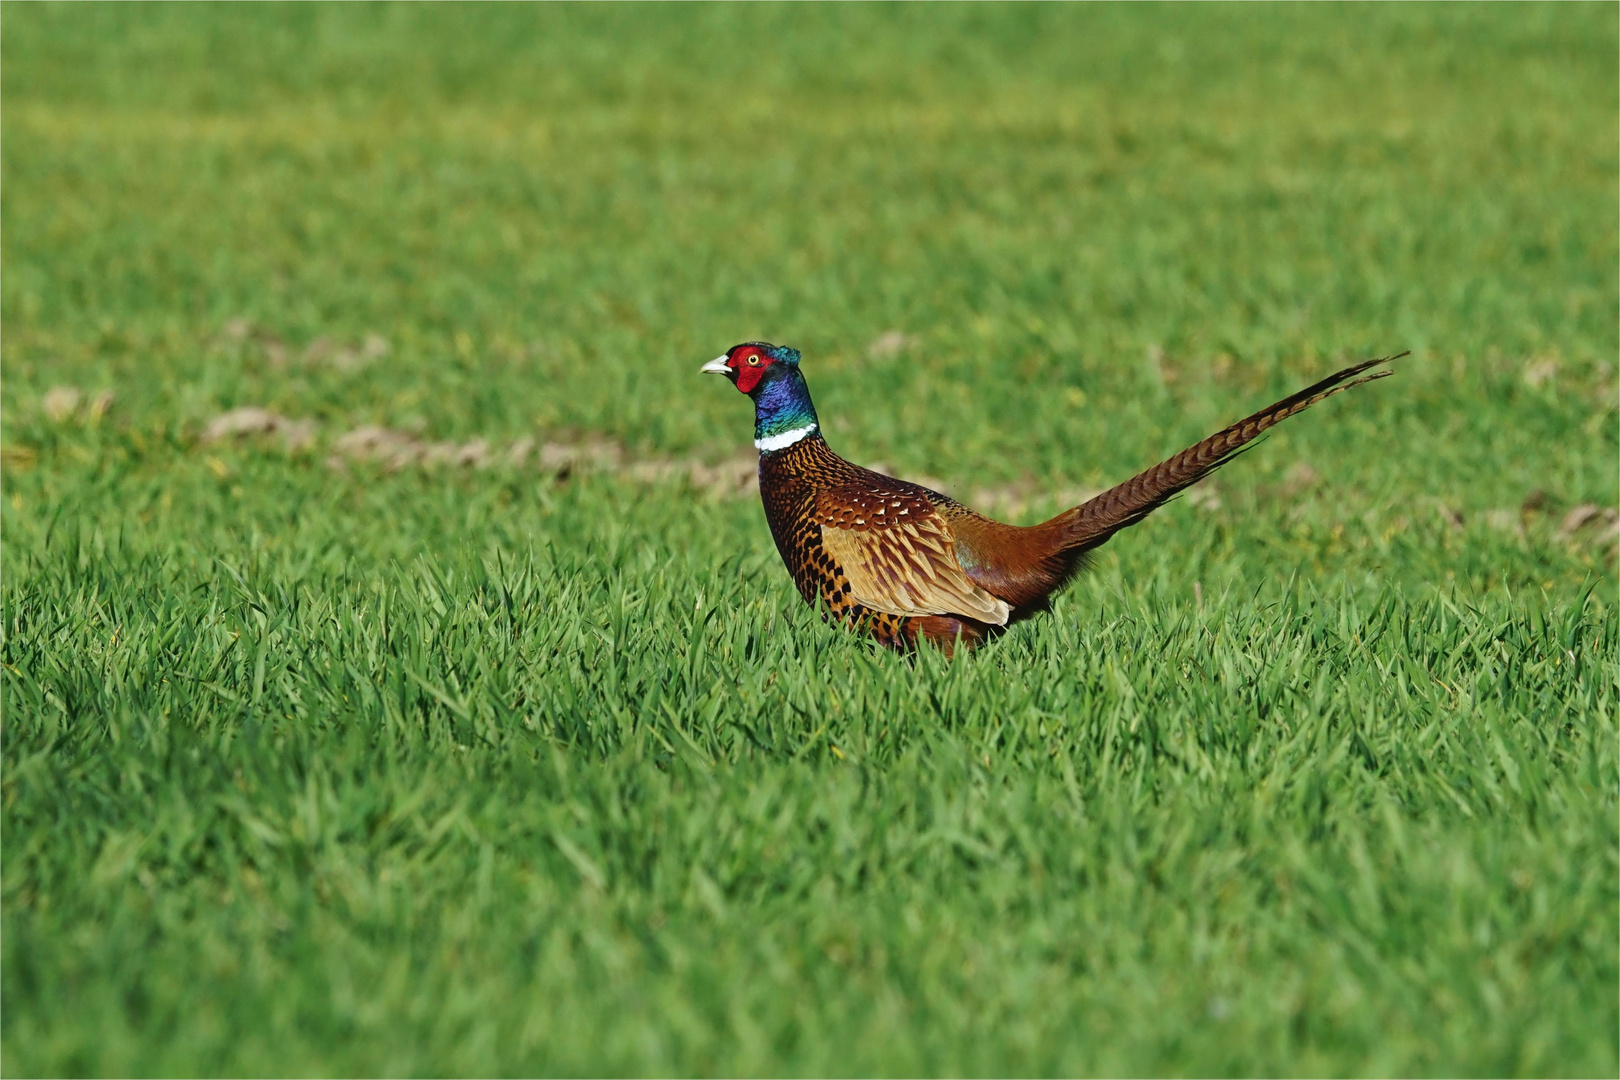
{"points": [[898, 555]]}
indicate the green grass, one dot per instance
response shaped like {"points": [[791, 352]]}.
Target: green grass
{"points": [[440, 771]]}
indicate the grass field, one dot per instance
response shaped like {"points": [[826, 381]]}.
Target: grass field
{"points": [[454, 713]]}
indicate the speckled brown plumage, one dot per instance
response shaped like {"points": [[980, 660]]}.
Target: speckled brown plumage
{"points": [[802, 487], [907, 564]]}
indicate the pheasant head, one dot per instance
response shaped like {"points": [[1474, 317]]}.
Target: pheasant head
{"points": [[783, 411]]}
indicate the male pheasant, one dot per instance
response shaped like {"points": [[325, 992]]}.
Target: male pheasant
{"points": [[908, 564]]}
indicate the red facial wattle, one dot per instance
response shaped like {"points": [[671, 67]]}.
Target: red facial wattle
{"points": [[750, 365]]}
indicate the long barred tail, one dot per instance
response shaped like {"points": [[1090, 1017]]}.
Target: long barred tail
{"points": [[1091, 523]]}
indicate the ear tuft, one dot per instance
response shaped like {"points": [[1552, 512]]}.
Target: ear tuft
{"points": [[789, 355]]}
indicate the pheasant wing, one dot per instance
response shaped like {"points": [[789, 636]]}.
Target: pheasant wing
{"points": [[898, 554]]}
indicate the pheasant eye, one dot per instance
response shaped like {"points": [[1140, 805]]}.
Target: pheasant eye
{"points": [[753, 361]]}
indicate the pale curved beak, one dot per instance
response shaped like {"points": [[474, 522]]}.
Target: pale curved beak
{"points": [[717, 366]]}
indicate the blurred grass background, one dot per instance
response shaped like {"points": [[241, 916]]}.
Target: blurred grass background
{"points": [[550, 213], [1025, 249]]}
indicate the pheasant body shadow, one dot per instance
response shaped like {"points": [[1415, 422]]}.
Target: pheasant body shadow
{"points": [[908, 564]]}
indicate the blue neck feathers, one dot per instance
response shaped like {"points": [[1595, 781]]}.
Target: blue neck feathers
{"points": [[782, 407]]}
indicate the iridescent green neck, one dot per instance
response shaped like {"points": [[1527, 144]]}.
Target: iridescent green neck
{"points": [[783, 412]]}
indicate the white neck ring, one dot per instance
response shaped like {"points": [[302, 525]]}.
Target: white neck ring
{"points": [[784, 440]]}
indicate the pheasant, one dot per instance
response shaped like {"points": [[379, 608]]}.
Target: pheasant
{"points": [[909, 565]]}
